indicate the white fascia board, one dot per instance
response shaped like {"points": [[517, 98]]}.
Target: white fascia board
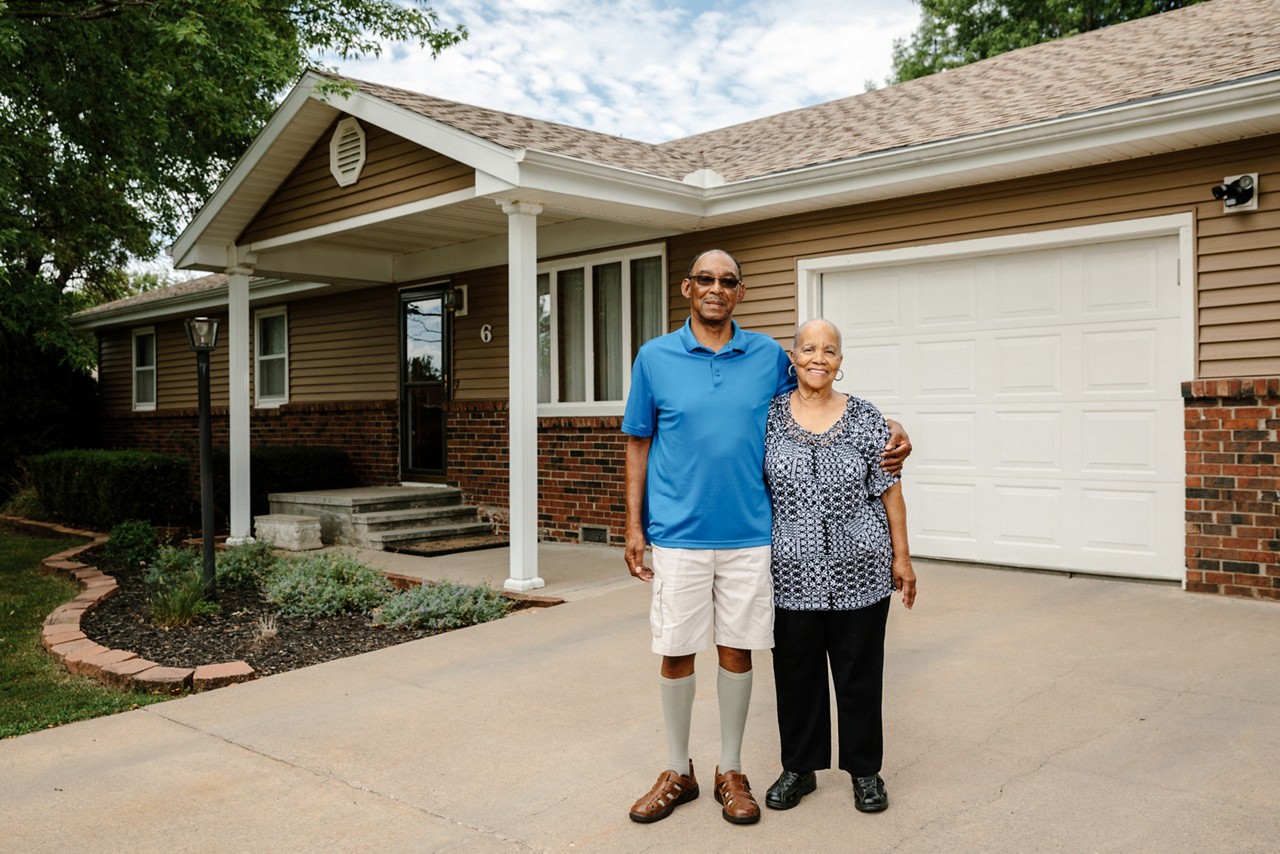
{"points": [[565, 238], [466, 148], [541, 171], [327, 264], [261, 144], [211, 300], [1252, 100]]}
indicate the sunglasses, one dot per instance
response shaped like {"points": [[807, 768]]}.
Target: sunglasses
{"points": [[726, 282]]}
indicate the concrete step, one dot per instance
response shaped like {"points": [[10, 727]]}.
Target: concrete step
{"points": [[366, 499], [411, 517], [387, 539]]}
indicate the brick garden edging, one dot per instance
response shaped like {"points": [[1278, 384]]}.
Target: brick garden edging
{"points": [[63, 638]]}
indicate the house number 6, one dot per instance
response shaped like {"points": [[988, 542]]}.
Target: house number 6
{"points": [[486, 333]]}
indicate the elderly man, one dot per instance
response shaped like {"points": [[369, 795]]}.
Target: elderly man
{"points": [[695, 491]]}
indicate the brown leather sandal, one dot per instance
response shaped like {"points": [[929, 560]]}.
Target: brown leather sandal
{"points": [[733, 792], [671, 790]]}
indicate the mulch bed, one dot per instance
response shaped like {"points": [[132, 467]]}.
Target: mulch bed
{"points": [[123, 621]]}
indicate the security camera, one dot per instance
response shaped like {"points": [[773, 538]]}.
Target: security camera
{"points": [[1238, 192]]}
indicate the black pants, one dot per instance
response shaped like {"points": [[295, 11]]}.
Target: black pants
{"points": [[853, 641]]}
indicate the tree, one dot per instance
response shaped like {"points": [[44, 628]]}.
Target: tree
{"points": [[953, 33], [121, 116]]}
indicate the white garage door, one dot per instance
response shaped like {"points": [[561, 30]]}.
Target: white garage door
{"points": [[1041, 391]]}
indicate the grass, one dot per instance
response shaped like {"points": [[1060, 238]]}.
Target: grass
{"points": [[36, 692]]}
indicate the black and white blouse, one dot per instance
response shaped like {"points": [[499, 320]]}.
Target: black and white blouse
{"points": [[831, 546]]}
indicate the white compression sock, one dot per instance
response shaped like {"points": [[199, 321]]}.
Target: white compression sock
{"points": [[677, 712], [734, 691]]}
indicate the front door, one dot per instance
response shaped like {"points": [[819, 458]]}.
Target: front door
{"points": [[424, 382]]}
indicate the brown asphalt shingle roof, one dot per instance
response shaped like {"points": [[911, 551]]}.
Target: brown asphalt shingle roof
{"points": [[1200, 46]]}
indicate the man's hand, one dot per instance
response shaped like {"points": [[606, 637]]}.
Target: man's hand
{"points": [[896, 452], [635, 557]]}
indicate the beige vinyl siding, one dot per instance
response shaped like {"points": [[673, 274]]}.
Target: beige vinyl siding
{"points": [[396, 172], [1238, 255], [344, 347], [176, 378], [479, 368]]}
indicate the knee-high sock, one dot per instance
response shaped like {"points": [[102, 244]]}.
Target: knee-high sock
{"points": [[734, 690], [677, 713]]}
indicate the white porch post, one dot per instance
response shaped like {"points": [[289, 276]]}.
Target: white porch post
{"points": [[238, 389], [522, 413]]}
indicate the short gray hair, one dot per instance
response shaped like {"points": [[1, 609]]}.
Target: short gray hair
{"points": [[795, 342]]}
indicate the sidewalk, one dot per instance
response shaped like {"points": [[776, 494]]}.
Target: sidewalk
{"points": [[1025, 712]]}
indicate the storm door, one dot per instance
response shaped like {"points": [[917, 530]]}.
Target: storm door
{"points": [[424, 382]]}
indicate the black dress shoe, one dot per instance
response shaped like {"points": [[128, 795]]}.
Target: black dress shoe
{"points": [[869, 794], [789, 788]]}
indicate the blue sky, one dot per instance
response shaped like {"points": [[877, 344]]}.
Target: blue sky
{"points": [[651, 69]]}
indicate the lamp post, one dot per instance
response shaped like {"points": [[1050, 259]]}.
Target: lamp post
{"points": [[202, 335]]}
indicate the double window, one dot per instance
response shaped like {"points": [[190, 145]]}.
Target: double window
{"points": [[593, 314], [144, 369], [271, 357]]}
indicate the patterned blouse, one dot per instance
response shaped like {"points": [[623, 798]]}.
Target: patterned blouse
{"points": [[831, 546]]}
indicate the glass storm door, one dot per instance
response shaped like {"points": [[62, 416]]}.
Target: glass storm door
{"points": [[424, 382]]}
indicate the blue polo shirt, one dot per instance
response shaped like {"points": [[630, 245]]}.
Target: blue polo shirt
{"points": [[705, 412]]}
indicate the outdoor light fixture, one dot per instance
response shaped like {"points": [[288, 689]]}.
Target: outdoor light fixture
{"points": [[455, 300], [1238, 193], [202, 335]]}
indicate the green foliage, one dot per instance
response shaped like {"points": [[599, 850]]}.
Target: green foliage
{"points": [[44, 404], [36, 692], [122, 116], [953, 33], [324, 585], [132, 543], [100, 489], [282, 468], [443, 606], [177, 588], [247, 565]]}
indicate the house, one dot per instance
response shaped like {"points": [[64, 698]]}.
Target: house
{"points": [[1027, 256]]}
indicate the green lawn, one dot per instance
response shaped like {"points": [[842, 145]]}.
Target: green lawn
{"points": [[36, 692]]}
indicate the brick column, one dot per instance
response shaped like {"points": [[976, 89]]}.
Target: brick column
{"points": [[1233, 487]]}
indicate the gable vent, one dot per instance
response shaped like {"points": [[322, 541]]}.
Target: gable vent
{"points": [[347, 152]]}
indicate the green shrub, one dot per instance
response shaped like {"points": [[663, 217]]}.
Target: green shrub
{"points": [[132, 544], [100, 489], [325, 585], [177, 588], [246, 565], [443, 606], [24, 502]]}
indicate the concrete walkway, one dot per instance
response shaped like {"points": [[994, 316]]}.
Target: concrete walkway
{"points": [[1025, 712]]}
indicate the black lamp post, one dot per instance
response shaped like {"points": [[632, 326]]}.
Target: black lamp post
{"points": [[202, 335]]}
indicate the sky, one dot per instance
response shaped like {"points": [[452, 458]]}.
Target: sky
{"points": [[651, 70]]}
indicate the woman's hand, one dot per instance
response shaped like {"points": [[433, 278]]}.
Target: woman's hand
{"points": [[904, 579], [896, 452]]}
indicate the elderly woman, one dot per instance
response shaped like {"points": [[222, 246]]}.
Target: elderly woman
{"points": [[839, 552]]}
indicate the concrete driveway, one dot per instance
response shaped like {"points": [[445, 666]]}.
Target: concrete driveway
{"points": [[1025, 712]]}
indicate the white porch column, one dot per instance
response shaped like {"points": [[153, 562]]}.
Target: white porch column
{"points": [[239, 402], [522, 449]]}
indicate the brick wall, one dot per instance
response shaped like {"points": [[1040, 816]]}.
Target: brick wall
{"points": [[367, 430], [581, 469], [1233, 509]]}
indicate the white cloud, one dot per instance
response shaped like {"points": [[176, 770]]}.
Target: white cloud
{"points": [[651, 69]]}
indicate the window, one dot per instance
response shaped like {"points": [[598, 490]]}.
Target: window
{"points": [[271, 357], [144, 369], [593, 315]]}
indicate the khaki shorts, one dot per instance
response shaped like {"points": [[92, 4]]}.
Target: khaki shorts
{"points": [[693, 586]]}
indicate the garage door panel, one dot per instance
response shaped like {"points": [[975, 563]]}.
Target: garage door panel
{"points": [[1029, 364], [947, 368], [1030, 442], [1123, 361], [1042, 394]]}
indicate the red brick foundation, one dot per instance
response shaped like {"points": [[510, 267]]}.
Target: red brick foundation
{"points": [[1233, 487], [581, 469]]}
